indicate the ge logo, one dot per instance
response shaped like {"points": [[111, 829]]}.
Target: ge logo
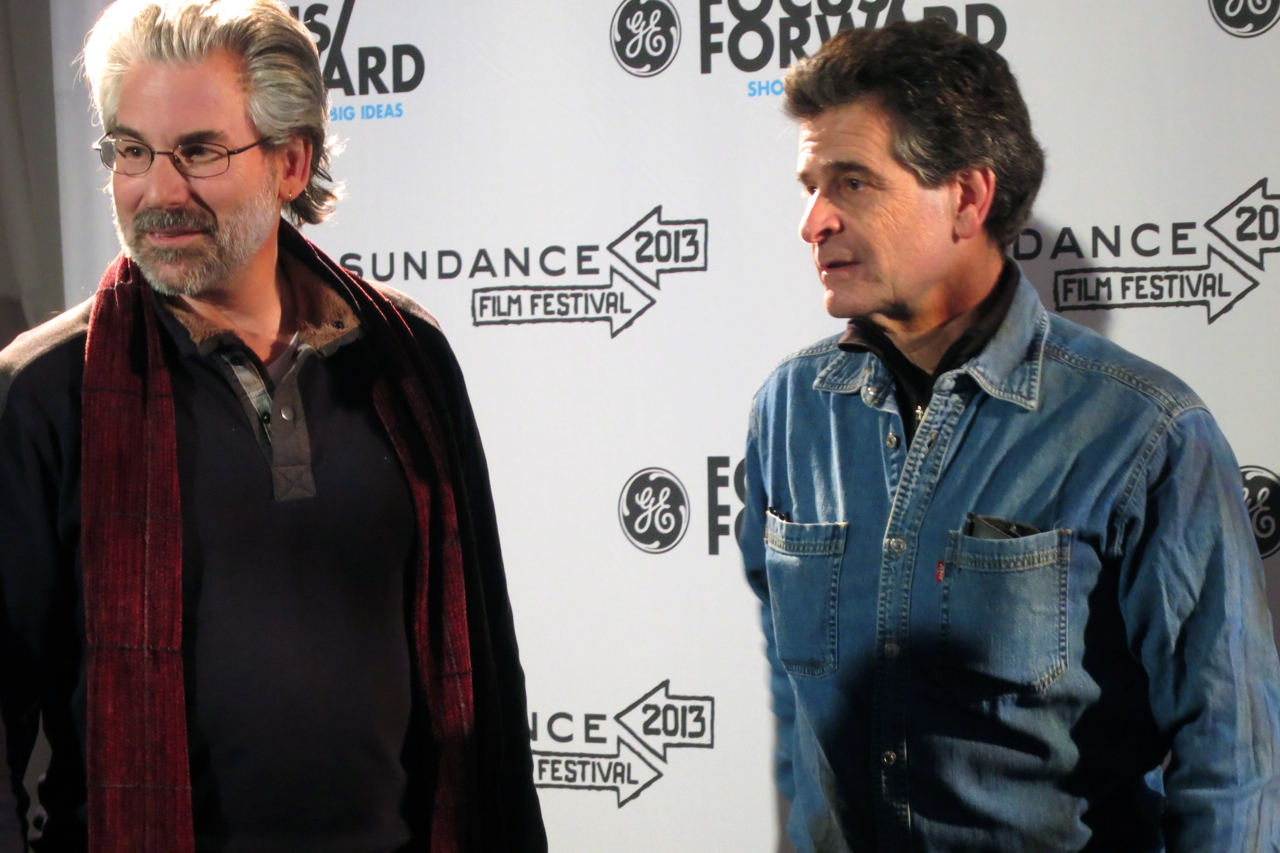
{"points": [[1262, 499], [654, 510], [1245, 18], [645, 36]]}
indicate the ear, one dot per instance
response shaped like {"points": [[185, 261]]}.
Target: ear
{"points": [[975, 190], [293, 165]]}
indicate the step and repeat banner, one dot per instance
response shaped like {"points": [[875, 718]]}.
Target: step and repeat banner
{"points": [[597, 200]]}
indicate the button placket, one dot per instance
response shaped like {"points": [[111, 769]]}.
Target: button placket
{"points": [[910, 497], [292, 476]]}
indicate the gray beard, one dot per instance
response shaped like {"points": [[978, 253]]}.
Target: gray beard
{"points": [[197, 270]]}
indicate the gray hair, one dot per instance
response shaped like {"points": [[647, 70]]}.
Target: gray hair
{"points": [[281, 71]]}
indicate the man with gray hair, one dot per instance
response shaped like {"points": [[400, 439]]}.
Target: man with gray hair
{"points": [[250, 579]]}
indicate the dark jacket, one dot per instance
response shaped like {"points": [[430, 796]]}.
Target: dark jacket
{"points": [[42, 671]]}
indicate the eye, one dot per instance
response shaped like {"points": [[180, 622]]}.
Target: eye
{"points": [[853, 184], [131, 150], [196, 152]]}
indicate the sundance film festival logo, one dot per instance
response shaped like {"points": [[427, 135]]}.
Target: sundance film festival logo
{"points": [[1262, 499], [1226, 259], [654, 510], [645, 35], [644, 257], [1245, 18], [621, 754]]}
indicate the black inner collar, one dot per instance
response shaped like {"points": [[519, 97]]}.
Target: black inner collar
{"points": [[912, 385]]}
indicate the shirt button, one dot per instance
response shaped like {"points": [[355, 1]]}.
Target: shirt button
{"points": [[891, 440], [892, 650], [896, 545], [889, 758], [286, 412]]}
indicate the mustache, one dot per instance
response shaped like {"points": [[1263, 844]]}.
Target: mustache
{"points": [[154, 219]]}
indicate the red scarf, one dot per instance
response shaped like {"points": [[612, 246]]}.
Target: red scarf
{"points": [[137, 764]]}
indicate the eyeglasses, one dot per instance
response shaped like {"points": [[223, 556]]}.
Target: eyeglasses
{"points": [[193, 159]]}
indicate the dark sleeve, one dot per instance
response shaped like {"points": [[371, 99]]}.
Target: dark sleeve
{"points": [[10, 826], [39, 454], [502, 716], [524, 814], [28, 549]]}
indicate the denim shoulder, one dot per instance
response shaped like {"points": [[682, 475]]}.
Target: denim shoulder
{"points": [[798, 371], [1085, 356], [810, 360]]}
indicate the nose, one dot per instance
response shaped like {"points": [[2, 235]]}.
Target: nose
{"points": [[821, 219], [166, 187]]}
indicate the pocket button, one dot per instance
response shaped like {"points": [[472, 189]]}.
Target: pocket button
{"points": [[896, 545]]}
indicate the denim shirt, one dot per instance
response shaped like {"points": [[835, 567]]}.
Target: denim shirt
{"points": [[942, 691]]}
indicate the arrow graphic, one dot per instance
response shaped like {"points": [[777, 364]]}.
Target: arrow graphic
{"points": [[659, 720], [1253, 229], [1217, 285], [655, 245], [618, 303], [626, 772]]}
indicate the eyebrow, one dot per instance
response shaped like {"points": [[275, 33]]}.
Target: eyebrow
{"points": [[193, 136], [125, 130], [202, 136], [839, 167]]}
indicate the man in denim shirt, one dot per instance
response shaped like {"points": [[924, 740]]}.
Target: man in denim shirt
{"points": [[1012, 599]]}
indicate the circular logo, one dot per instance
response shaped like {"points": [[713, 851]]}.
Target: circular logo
{"points": [[1262, 499], [1245, 18], [646, 35], [654, 510]]}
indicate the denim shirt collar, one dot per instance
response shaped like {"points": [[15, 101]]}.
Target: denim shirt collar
{"points": [[1008, 368]]}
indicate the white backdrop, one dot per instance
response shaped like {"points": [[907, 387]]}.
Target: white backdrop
{"points": [[491, 187]]}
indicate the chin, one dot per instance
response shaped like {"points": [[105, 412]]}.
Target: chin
{"points": [[841, 310], [843, 301], [183, 278]]}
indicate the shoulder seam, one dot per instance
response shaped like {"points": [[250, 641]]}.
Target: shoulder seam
{"points": [[405, 302], [1171, 405], [820, 348], [33, 344]]}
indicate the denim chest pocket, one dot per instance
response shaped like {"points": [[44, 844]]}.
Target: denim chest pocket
{"points": [[803, 564], [1004, 609]]}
